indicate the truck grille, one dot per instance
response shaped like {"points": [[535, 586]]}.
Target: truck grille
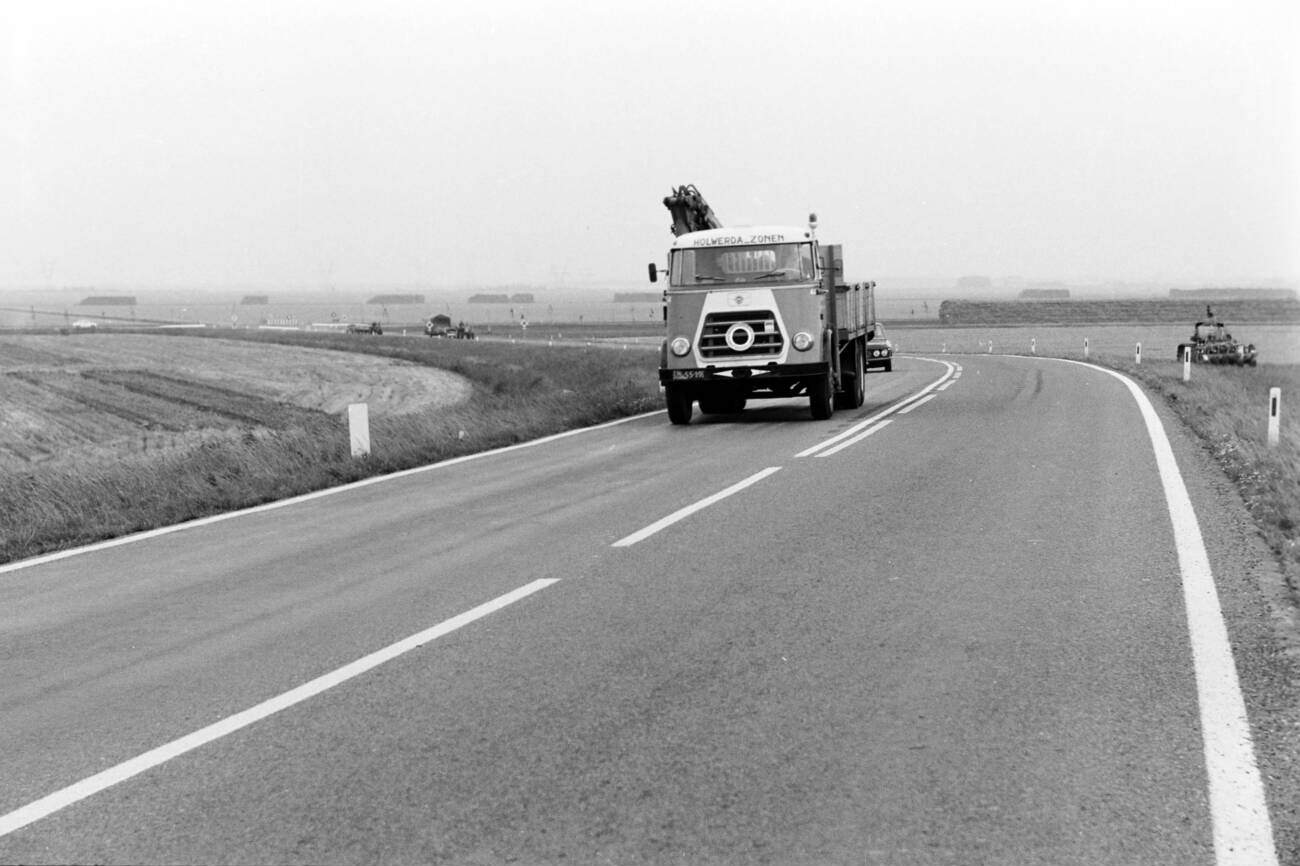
{"points": [[767, 336]]}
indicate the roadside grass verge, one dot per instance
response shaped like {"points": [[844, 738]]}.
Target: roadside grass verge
{"points": [[521, 392], [1227, 408]]}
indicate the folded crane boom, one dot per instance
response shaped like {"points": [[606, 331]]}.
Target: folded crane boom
{"points": [[691, 213]]}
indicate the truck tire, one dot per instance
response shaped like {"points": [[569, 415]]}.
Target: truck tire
{"points": [[678, 401], [821, 392], [854, 392], [889, 365]]}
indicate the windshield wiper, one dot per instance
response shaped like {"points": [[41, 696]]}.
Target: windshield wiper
{"points": [[716, 279], [779, 272]]}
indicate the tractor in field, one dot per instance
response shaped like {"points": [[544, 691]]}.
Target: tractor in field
{"points": [[1211, 343]]}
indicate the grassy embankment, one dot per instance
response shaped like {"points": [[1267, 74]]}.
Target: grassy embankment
{"points": [[526, 390], [1227, 407], [521, 392]]}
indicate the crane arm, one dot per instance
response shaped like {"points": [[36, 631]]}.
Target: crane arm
{"points": [[691, 213]]}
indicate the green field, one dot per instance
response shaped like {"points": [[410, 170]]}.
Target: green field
{"points": [[526, 387], [519, 392]]}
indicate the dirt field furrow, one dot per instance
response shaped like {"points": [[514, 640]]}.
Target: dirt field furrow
{"points": [[90, 396]]}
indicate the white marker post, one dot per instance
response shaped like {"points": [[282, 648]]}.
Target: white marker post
{"points": [[359, 429], [1187, 363], [1274, 415], [1085, 348], [944, 349], [1033, 345], [1137, 359], [990, 347]]}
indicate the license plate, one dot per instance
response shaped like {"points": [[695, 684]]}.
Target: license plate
{"points": [[687, 374]]}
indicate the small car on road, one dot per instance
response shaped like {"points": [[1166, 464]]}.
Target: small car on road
{"points": [[880, 351]]}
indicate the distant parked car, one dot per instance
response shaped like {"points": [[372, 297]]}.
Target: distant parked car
{"points": [[85, 325], [372, 328], [880, 351]]}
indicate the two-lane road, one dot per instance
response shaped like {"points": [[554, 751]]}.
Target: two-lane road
{"points": [[949, 627]]}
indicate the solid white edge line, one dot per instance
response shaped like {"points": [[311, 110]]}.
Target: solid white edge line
{"points": [[78, 791], [1243, 829], [642, 534], [888, 411], [305, 497], [856, 439]]}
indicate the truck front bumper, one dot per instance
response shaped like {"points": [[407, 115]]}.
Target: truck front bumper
{"points": [[755, 378]]}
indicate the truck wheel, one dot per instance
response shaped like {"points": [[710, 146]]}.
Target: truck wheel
{"points": [[679, 401], [854, 392], [820, 397], [889, 365]]}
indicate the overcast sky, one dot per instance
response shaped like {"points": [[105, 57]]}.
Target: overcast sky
{"points": [[484, 143]]}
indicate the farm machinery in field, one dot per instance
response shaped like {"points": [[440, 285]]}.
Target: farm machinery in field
{"points": [[1211, 343]]}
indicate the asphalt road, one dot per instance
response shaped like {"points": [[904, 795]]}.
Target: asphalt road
{"points": [[961, 639]]}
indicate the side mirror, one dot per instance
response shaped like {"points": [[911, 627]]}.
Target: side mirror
{"points": [[653, 270]]}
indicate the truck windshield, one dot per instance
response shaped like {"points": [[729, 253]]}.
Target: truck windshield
{"points": [[773, 263]]}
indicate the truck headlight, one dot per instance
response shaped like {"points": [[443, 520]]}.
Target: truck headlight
{"points": [[680, 346], [803, 341]]}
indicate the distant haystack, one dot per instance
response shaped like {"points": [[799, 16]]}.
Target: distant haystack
{"points": [[502, 298], [108, 301], [1246, 294]]}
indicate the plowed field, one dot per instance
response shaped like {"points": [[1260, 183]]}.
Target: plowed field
{"points": [[91, 396]]}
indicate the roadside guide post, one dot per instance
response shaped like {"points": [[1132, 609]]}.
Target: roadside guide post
{"points": [[359, 429], [1274, 413], [1085, 348], [1033, 345], [1187, 363], [1138, 357]]}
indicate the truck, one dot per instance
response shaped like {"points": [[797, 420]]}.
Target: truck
{"points": [[758, 312]]}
